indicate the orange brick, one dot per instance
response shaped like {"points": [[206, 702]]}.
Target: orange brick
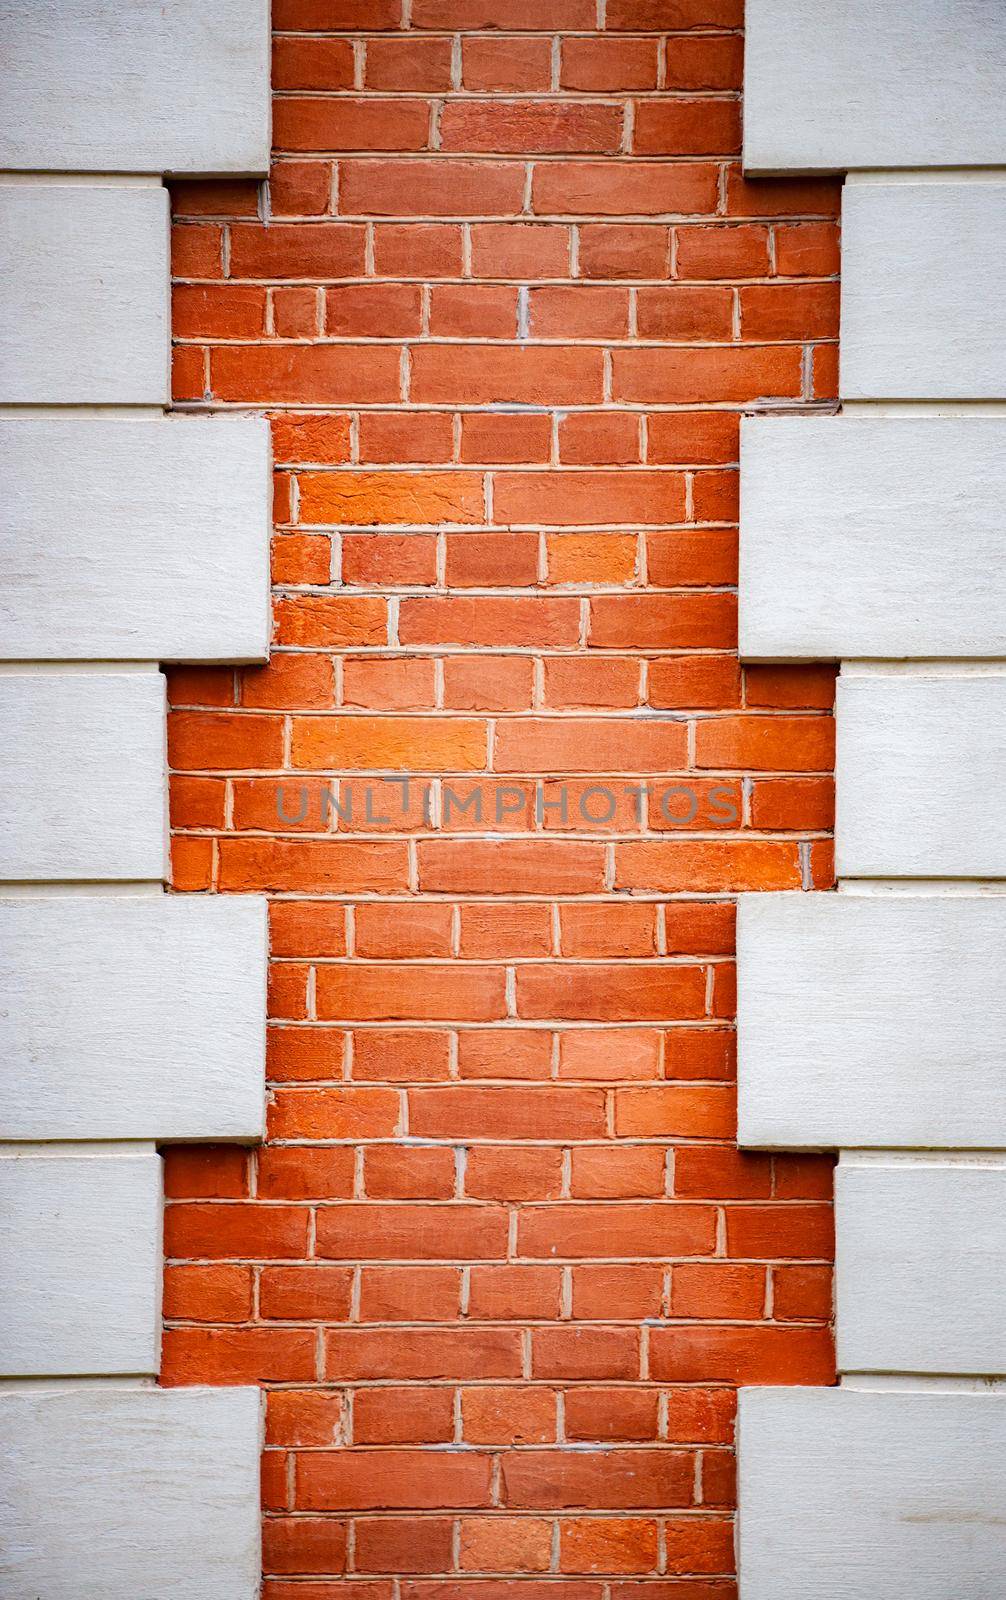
{"points": [[379, 743], [401, 683], [511, 1544], [398, 497]]}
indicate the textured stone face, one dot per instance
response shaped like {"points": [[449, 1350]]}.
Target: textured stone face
{"points": [[83, 294], [119, 534], [832, 88], [135, 86]]}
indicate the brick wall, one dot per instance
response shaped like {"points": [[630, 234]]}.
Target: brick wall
{"points": [[500, 1264]]}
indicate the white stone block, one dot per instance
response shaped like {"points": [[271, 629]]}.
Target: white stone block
{"points": [[135, 86], [920, 771], [83, 292], [132, 1017], [83, 785], [130, 1494], [828, 87], [128, 539], [921, 1268], [847, 1495], [923, 291], [80, 1260], [871, 1020], [872, 537]]}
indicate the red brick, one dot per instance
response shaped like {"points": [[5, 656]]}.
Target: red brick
{"points": [[579, 312], [571, 498], [473, 311], [683, 312], [404, 1053], [687, 127], [402, 1353], [507, 64], [594, 65], [707, 866], [208, 1294], [687, 377], [520, 250], [513, 1544], [403, 1416], [508, 1416], [671, 622], [484, 560], [433, 188], [387, 993], [632, 1173], [300, 188], [613, 1479], [511, 15], [704, 63], [467, 1112], [389, 1479], [742, 1355], [588, 188], [487, 683], [414, 1232], [374, 310], [217, 311], [400, 1544], [506, 1173], [612, 250], [528, 865], [806, 249], [338, 1113], [532, 126], [738, 251], [706, 1112], [346, 124], [629, 1414], [418, 250], [492, 620], [789, 311], [600, 1544], [205, 1172], [412, 64], [608, 1230], [800, 1293], [505, 1293], [392, 1174], [610, 994], [410, 1294], [303, 1417], [237, 1355], [793, 744], [488, 374], [312, 64], [314, 1293], [308, 374], [315, 250], [303, 1544], [605, 1054]]}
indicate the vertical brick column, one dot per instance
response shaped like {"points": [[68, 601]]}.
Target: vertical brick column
{"points": [[500, 1265]]}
